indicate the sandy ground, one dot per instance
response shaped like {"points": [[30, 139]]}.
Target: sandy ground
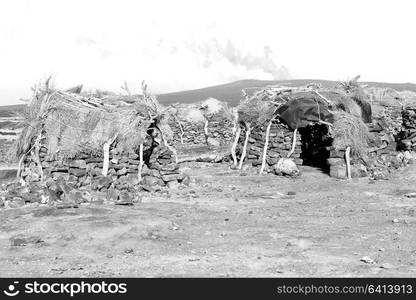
{"points": [[224, 225]]}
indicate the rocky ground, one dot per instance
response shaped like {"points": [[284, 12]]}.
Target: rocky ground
{"points": [[226, 223]]}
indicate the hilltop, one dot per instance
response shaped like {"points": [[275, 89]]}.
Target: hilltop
{"points": [[231, 92]]}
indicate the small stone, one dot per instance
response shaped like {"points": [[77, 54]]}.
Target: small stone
{"points": [[79, 164], [104, 182], [125, 199], [395, 220], [19, 241], [66, 205], [77, 172], [286, 166], [173, 185], [386, 266], [367, 260], [16, 202], [167, 178], [122, 171], [152, 181]]}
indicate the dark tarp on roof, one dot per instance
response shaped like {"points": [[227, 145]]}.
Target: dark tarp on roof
{"points": [[298, 113]]}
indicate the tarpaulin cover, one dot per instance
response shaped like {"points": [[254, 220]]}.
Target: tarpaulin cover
{"points": [[298, 113]]}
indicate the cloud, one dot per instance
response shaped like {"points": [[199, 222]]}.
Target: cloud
{"points": [[213, 51], [86, 41], [95, 44]]}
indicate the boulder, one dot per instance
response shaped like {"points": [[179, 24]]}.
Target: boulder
{"points": [[103, 182], [152, 181], [79, 164], [167, 178], [286, 166], [213, 142]]}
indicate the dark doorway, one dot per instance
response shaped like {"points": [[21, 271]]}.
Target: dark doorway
{"points": [[316, 143]]}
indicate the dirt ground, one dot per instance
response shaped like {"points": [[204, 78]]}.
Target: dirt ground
{"points": [[225, 224]]}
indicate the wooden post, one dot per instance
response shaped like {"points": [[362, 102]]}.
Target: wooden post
{"points": [[19, 168], [293, 143], [206, 130], [139, 175], [266, 144], [234, 146], [37, 157], [243, 155], [166, 144], [106, 162], [181, 128], [348, 161]]}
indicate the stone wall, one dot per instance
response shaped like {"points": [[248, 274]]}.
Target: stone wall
{"points": [[408, 134], [220, 129], [280, 143], [193, 133], [62, 175]]}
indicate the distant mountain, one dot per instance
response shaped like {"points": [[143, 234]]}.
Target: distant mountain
{"points": [[231, 92]]}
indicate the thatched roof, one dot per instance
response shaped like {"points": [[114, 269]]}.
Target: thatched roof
{"points": [[347, 109], [198, 112], [69, 123]]}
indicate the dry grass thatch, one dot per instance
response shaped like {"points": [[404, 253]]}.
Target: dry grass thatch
{"points": [[69, 123], [350, 131]]}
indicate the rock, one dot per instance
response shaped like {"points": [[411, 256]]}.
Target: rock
{"points": [[410, 195], [186, 180], [167, 178], [50, 196], [286, 166], [104, 182], [334, 161], [77, 172], [122, 171], [152, 181], [78, 164], [133, 156], [213, 142], [20, 240], [125, 198], [78, 196], [63, 186], [112, 195], [367, 260], [65, 205], [31, 197], [174, 185], [386, 266], [57, 175], [15, 202], [130, 179]]}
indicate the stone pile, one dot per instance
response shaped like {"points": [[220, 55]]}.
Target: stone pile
{"points": [[193, 133], [220, 132], [338, 167], [382, 159], [280, 143], [220, 129], [408, 134]]}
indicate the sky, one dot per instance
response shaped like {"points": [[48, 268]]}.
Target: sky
{"points": [[179, 45]]}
